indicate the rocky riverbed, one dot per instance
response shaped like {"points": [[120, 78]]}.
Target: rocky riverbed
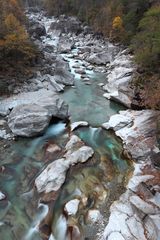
{"points": [[74, 179]]}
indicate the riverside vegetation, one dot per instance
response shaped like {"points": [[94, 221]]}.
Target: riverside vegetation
{"points": [[15, 43], [17, 51]]}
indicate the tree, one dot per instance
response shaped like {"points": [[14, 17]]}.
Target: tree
{"points": [[117, 23], [14, 39], [117, 31], [146, 43]]}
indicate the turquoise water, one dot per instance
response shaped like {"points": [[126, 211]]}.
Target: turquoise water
{"points": [[21, 163], [95, 181], [106, 171], [86, 102], [21, 212]]}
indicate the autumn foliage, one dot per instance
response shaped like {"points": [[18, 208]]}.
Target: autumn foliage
{"points": [[14, 39], [117, 29]]}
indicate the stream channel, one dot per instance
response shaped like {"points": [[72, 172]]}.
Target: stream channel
{"points": [[101, 180]]}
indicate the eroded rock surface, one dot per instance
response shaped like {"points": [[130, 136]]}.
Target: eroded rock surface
{"points": [[67, 25], [138, 130], [53, 176], [47, 99], [119, 79], [101, 58], [29, 113], [136, 215], [79, 124], [28, 120]]}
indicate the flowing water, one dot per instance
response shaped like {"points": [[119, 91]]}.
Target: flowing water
{"points": [[86, 102], [19, 166], [96, 184]]}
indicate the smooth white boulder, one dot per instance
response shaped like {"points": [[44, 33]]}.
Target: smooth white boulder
{"points": [[117, 122], [2, 196], [81, 155], [94, 216], [53, 176], [74, 140], [72, 207], [79, 124], [44, 98]]}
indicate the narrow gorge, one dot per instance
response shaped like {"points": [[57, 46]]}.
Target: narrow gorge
{"points": [[79, 160]]}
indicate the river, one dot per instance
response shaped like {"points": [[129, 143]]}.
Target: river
{"points": [[101, 180]]}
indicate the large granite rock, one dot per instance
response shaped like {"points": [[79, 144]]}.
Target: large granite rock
{"points": [[37, 30], [59, 62], [101, 58], [119, 79], [65, 45], [58, 87], [67, 25], [63, 76], [44, 98], [75, 125], [136, 215], [53, 176], [28, 120], [137, 129]]}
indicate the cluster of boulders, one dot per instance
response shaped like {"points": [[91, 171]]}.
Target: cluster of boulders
{"points": [[136, 215], [53, 176], [29, 114], [67, 36], [120, 75], [67, 25], [50, 181], [98, 55]]}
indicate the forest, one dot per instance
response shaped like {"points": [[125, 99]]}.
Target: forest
{"points": [[15, 43]]}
